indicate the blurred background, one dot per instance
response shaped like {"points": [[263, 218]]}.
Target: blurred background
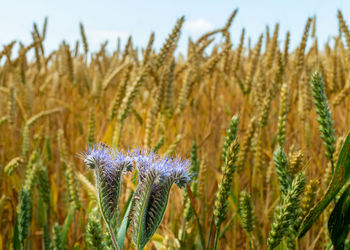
{"points": [[107, 20], [58, 98]]}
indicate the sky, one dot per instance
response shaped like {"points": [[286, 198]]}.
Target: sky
{"points": [[108, 20]]}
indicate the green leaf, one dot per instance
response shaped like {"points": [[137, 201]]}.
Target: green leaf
{"points": [[339, 221], [124, 227], [67, 223], [46, 238], [41, 212], [340, 177], [43, 215]]}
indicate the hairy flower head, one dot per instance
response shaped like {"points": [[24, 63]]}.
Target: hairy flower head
{"points": [[165, 168], [109, 167], [156, 176], [101, 156], [97, 155]]}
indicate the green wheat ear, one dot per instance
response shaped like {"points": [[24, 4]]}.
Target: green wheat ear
{"points": [[108, 242], [283, 112], [13, 165], [246, 211], [285, 214], [194, 170], [94, 234], [225, 183], [43, 183], [324, 116], [25, 208], [57, 240], [231, 134], [221, 203], [283, 174], [72, 186], [91, 127]]}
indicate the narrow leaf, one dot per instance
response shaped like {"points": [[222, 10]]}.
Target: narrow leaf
{"points": [[339, 221], [67, 223], [124, 227], [340, 177]]}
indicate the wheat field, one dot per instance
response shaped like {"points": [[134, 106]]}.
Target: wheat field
{"points": [[263, 133]]}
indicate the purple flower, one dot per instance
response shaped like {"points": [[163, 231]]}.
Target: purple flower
{"points": [[97, 155], [123, 161], [175, 170]]}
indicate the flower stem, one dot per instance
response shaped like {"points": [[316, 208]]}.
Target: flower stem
{"points": [[110, 230]]}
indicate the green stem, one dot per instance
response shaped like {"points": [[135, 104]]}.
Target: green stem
{"points": [[200, 228], [332, 166], [47, 225], [110, 230], [226, 227], [183, 233], [210, 230], [197, 218], [250, 240], [217, 233]]}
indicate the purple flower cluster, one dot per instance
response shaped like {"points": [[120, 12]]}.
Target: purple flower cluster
{"points": [[163, 167], [156, 176], [97, 155], [108, 160], [101, 156]]}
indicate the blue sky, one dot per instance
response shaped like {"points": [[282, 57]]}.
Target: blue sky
{"points": [[108, 20]]}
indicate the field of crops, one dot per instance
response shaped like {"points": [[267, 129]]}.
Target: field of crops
{"points": [[260, 129]]}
